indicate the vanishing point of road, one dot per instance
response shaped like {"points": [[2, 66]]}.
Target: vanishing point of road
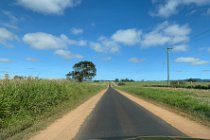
{"points": [[117, 117]]}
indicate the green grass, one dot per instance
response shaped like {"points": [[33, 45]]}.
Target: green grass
{"points": [[192, 102], [24, 103], [164, 83]]}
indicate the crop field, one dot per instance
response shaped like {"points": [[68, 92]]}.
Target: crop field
{"points": [[24, 103], [192, 102]]}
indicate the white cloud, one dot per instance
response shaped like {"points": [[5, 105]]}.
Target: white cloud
{"points": [[44, 41], [48, 6], [135, 60], [5, 60], [10, 20], [76, 31], [209, 49], [105, 45], [191, 60], [163, 34], [170, 7], [6, 36], [180, 48], [166, 33], [67, 54], [175, 29], [127, 36], [77, 42], [31, 59], [96, 46]]}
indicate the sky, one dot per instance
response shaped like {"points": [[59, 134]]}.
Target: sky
{"points": [[124, 38]]}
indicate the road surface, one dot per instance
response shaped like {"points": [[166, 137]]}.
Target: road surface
{"points": [[116, 117]]}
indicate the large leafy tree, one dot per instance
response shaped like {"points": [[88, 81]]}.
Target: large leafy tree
{"points": [[84, 70]]}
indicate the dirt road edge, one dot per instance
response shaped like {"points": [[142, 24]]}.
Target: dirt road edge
{"points": [[188, 127], [68, 126]]}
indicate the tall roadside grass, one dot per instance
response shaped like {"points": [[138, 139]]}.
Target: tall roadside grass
{"points": [[24, 103], [194, 105]]}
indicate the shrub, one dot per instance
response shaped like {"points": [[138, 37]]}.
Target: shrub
{"points": [[177, 83], [121, 84]]}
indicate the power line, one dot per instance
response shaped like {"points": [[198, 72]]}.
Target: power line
{"points": [[200, 35]]}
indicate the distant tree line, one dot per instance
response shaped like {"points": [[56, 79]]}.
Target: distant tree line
{"points": [[124, 80], [18, 77]]}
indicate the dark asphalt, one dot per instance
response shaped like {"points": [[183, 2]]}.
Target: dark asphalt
{"points": [[117, 117]]}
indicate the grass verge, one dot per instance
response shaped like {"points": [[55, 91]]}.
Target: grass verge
{"points": [[27, 106]]}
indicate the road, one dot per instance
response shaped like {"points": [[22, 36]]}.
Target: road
{"points": [[116, 117]]}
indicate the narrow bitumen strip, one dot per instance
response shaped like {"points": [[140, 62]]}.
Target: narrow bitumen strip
{"points": [[117, 117]]}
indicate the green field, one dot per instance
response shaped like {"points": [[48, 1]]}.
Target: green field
{"points": [[164, 83], [193, 103], [25, 103]]}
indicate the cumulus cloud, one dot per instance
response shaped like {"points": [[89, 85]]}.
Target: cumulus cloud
{"points": [[44, 41], [127, 36], [163, 34], [135, 60], [180, 48], [166, 33], [5, 60], [48, 6], [6, 36], [31, 59], [67, 54], [105, 45], [76, 31], [170, 7], [191, 60]]}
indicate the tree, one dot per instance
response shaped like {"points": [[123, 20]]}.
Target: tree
{"points": [[116, 80], [84, 70], [16, 77], [69, 75]]}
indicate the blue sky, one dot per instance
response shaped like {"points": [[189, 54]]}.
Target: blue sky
{"points": [[123, 38]]}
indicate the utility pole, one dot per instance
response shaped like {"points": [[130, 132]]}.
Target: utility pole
{"points": [[168, 67]]}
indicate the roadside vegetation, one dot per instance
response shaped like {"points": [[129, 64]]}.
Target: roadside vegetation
{"points": [[174, 84], [26, 103], [193, 103]]}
